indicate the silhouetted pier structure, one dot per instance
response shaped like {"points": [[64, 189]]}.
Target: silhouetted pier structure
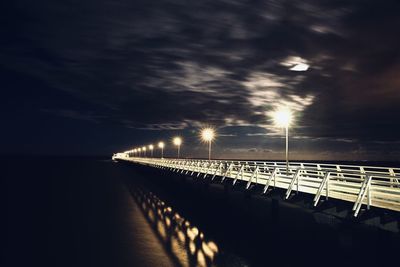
{"points": [[361, 185]]}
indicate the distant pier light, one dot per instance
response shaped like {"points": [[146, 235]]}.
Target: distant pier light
{"points": [[151, 147], [178, 142], [283, 117], [161, 146], [208, 135], [144, 151], [140, 151]]}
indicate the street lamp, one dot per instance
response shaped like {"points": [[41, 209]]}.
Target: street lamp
{"points": [[140, 150], [282, 118], [151, 147], [208, 135], [161, 146], [178, 142], [144, 151]]}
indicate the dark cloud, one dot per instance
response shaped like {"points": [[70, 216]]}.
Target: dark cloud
{"points": [[171, 65]]}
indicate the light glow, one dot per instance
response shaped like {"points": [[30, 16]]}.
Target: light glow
{"points": [[282, 117], [151, 147], [177, 141], [207, 134], [161, 145]]}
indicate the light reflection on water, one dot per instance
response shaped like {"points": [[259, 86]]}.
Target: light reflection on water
{"points": [[185, 243]]}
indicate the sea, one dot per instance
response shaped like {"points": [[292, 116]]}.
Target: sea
{"points": [[92, 211]]}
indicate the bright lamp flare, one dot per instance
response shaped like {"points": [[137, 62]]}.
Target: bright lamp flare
{"points": [[144, 148], [161, 144], [177, 141], [282, 117], [151, 147], [140, 149], [208, 134]]}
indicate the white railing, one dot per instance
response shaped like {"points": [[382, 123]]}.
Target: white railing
{"points": [[369, 185]]}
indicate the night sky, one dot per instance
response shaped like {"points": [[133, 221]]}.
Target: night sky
{"points": [[95, 77]]}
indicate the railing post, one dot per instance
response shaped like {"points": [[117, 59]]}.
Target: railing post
{"points": [[272, 176], [295, 177], [239, 173], [255, 173], [324, 181], [327, 188], [369, 196], [298, 181], [364, 190], [206, 172], [200, 169], [226, 172], [218, 169]]}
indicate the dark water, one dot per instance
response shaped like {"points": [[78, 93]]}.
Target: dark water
{"points": [[94, 212]]}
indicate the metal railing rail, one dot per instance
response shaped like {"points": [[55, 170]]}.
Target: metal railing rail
{"points": [[361, 185]]}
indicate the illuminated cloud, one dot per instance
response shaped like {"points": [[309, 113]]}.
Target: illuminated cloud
{"points": [[300, 67], [295, 63], [268, 92]]}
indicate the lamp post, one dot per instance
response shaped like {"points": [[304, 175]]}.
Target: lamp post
{"points": [[178, 142], [140, 152], [144, 151], [151, 147], [283, 118], [208, 135], [161, 146]]}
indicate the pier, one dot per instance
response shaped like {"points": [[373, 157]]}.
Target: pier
{"points": [[371, 186]]}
